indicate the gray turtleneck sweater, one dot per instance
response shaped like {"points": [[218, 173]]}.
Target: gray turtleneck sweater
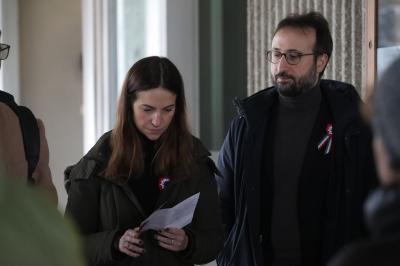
{"points": [[294, 122]]}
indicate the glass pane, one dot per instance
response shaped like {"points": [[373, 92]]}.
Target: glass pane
{"points": [[131, 37], [222, 66], [127, 43], [388, 33], [135, 31]]}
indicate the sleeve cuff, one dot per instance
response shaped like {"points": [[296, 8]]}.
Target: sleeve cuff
{"points": [[186, 254], [116, 254]]}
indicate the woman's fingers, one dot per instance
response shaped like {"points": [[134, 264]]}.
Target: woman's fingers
{"points": [[172, 239], [132, 250], [133, 232], [131, 244]]}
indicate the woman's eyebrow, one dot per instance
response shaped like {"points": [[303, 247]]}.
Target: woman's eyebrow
{"points": [[168, 106], [150, 106]]}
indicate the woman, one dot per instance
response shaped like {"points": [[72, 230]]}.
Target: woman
{"points": [[149, 161], [382, 209]]}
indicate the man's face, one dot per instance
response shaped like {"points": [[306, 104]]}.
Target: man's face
{"points": [[294, 80]]}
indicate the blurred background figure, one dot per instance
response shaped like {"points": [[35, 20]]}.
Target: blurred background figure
{"points": [[33, 232], [24, 153], [382, 209]]}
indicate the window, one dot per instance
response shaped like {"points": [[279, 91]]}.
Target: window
{"points": [[222, 66], [115, 35], [206, 40], [388, 34], [382, 38]]}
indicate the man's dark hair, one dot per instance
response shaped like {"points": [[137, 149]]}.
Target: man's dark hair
{"points": [[315, 20]]}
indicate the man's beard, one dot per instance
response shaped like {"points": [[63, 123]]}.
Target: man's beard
{"points": [[296, 87]]}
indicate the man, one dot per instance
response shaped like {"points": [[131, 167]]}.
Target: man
{"points": [[12, 154], [296, 163]]}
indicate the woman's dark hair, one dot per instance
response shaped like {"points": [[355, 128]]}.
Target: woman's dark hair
{"points": [[314, 20], [174, 146]]}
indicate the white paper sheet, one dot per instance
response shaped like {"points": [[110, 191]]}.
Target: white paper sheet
{"points": [[176, 217]]}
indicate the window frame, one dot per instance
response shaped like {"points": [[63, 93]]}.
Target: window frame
{"points": [[371, 46]]}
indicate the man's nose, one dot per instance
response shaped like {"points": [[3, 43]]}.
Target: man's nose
{"points": [[282, 64]]}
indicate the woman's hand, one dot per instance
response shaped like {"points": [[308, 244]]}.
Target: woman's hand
{"points": [[130, 243], [173, 239]]}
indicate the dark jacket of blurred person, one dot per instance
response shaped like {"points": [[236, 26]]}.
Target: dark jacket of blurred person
{"points": [[12, 153], [382, 209], [383, 218]]}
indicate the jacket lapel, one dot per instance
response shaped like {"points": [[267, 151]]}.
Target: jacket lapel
{"points": [[131, 196], [257, 119]]}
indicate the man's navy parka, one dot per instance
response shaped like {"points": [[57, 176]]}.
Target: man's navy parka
{"points": [[240, 177]]}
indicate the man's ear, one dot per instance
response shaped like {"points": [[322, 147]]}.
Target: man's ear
{"points": [[322, 61]]}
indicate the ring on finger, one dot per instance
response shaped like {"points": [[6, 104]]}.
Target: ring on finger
{"points": [[172, 241]]}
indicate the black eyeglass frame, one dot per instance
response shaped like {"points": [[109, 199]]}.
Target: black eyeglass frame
{"points": [[298, 57], [4, 51]]}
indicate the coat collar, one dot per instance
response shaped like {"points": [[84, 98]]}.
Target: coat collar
{"points": [[95, 161], [342, 98]]}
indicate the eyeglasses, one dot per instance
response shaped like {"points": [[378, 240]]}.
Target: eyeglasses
{"points": [[4, 50], [292, 57]]}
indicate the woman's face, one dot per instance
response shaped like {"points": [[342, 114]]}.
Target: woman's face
{"points": [[386, 175], [153, 111]]}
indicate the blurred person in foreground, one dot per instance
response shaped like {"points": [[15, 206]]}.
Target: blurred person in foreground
{"points": [[382, 208], [32, 231]]}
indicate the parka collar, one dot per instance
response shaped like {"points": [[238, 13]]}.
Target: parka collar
{"points": [[342, 98], [254, 108], [101, 153]]}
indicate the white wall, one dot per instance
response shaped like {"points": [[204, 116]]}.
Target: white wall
{"points": [[51, 78], [183, 50]]}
